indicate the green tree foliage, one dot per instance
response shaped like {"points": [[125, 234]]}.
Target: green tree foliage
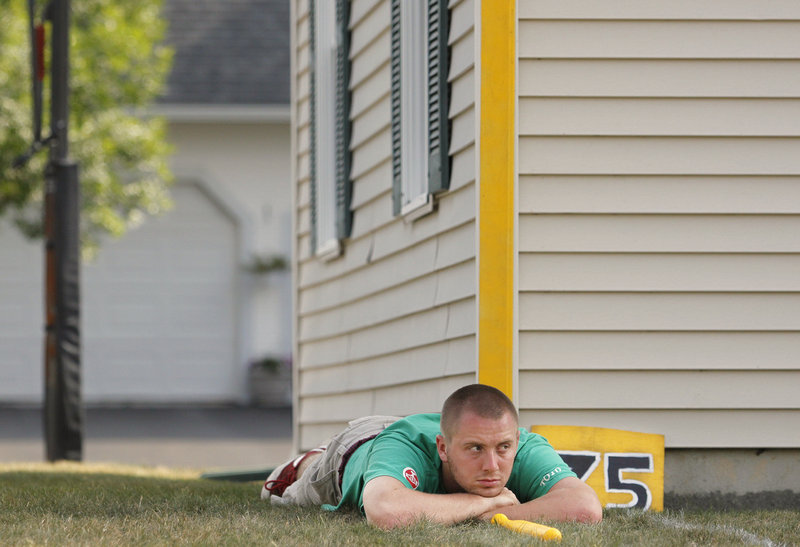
{"points": [[118, 66]]}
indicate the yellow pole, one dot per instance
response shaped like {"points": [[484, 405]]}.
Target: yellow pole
{"points": [[496, 199]]}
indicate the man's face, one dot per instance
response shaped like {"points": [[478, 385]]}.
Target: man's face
{"points": [[479, 455]]}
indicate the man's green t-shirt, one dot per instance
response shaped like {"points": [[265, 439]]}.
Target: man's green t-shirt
{"points": [[406, 451]]}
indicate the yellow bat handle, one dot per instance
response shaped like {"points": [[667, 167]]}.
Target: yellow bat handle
{"points": [[524, 527]]}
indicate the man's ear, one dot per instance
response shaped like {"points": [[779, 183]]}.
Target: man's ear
{"points": [[441, 448]]}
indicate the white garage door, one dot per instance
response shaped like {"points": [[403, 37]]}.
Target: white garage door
{"points": [[160, 308], [158, 311], [21, 317]]}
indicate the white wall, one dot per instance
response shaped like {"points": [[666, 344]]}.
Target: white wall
{"points": [[389, 326], [237, 171], [247, 165], [21, 317], [659, 150]]}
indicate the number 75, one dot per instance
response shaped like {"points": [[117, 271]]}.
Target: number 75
{"points": [[584, 462]]}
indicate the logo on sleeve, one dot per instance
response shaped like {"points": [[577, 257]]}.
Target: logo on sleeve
{"points": [[411, 476], [550, 475]]}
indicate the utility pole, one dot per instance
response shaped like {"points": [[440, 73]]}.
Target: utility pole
{"points": [[63, 409]]}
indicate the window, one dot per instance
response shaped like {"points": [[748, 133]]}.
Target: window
{"points": [[420, 128], [331, 188]]}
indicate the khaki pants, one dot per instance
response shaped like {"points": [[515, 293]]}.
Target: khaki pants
{"points": [[320, 483]]}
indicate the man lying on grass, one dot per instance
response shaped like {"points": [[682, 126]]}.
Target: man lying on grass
{"points": [[472, 461]]}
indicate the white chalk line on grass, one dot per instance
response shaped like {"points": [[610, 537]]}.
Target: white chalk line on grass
{"points": [[743, 535]]}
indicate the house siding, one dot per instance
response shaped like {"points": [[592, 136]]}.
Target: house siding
{"points": [[389, 326], [659, 226]]}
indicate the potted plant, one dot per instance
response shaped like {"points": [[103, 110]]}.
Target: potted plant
{"points": [[270, 381]]}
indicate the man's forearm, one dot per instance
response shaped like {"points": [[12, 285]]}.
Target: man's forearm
{"points": [[569, 502], [441, 508], [388, 505]]}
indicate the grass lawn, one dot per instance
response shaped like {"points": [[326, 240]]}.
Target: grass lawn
{"points": [[67, 504]]}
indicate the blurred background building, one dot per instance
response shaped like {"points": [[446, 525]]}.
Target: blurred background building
{"points": [[178, 309]]}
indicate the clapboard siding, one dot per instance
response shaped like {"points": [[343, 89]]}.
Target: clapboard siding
{"points": [[332, 351], [336, 408], [463, 132], [327, 415], [436, 254], [303, 245], [303, 194], [371, 154], [426, 396], [301, 105], [659, 78], [714, 10], [325, 356], [372, 89], [364, 30], [439, 288], [388, 326], [371, 185], [654, 272], [443, 323], [304, 137], [659, 194], [462, 172], [303, 112], [303, 55], [303, 169], [666, 350], [462, 55], [360, 9], [443, 359], [668, 233], [369, 123], [659, 39], [462, 83], [396, 400], [301, 9], [659, 154], [661, 117], [660, 311], [455, 208], [696, 428], [462, 94], [427, 327], [462, 20], [304, 221], [697, 389], [369, 61]]}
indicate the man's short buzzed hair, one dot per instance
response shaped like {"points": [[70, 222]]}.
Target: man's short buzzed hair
{"points": [[485, 401]]}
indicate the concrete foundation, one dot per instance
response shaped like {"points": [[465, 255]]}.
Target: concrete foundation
{"points": [[734, 479]]}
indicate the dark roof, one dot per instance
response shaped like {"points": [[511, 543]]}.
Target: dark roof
{"points": [[228, 51]]}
